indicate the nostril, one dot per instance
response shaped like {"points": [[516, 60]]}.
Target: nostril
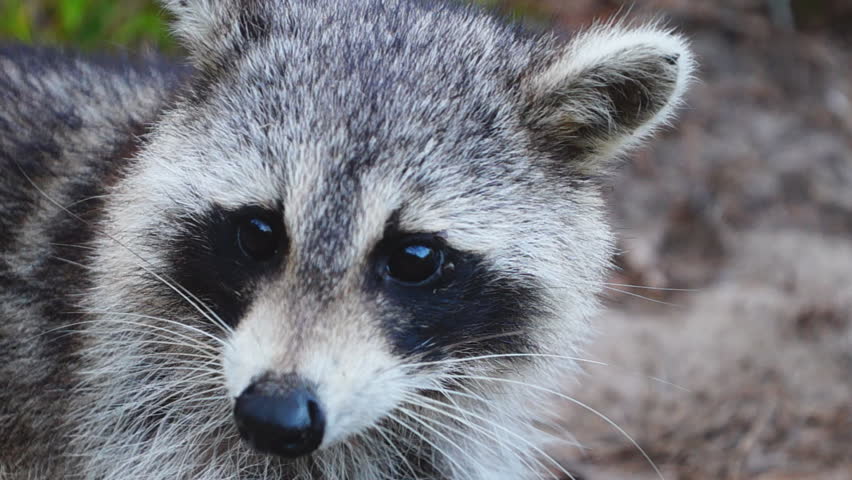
{"points": [[251, 389], [284, 421], [315, 412]]}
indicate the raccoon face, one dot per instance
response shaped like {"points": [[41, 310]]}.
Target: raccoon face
{"points": [[352, 208]]}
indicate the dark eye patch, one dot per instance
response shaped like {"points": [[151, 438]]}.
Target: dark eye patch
{"points": [[469, 309], [220, 256]]}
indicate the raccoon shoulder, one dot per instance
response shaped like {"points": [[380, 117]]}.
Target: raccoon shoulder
{"points": [[67, 123], [66, 116]]}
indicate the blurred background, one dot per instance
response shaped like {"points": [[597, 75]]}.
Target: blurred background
{"points": [[87, 24], [728, 337]]}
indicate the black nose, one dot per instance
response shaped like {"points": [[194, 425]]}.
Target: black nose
{"points": [[280, 417]]}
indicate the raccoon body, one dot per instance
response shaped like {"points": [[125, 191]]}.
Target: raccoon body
{"points": [[67, 124], [354, 240]]}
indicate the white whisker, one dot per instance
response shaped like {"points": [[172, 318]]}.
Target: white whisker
{"points": [[574, 401], [436, 403], [414, 431], [423, 402]]}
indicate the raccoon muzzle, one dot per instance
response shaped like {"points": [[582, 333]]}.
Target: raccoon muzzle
{"points": [[280, 417]]}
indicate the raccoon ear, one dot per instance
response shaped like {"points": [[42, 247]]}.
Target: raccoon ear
{"points": [[196, 21], [605, 92], [209, 28]]}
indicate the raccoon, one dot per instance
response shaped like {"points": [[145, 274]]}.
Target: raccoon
{"points": [[348, 240]]}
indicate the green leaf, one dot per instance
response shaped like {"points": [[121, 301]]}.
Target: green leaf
{"points": [[71, 14]]}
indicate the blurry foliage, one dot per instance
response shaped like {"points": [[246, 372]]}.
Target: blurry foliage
{"points": [[86, 24]]}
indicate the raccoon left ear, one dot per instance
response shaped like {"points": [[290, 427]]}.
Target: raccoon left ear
{"points": [[609, 89], [196, 22], [210, 28]]}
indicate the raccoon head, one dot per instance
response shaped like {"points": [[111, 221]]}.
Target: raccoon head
{"points": [[366, 232]]}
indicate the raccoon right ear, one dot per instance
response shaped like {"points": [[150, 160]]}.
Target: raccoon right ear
{"points": [[605, 92], [211, 28]]}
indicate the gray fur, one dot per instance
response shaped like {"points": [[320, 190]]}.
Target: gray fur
{"points": [[434, 116]]}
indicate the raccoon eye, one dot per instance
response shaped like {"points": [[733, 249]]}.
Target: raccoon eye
{"points": [[415, 264], [258, 238]]}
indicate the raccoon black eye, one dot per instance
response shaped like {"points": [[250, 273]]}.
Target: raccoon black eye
{"points": [[257, 238], [415, 264]]}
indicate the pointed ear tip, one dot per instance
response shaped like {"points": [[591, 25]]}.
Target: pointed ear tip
{"points": [[673, 48], [605, 39], [681, 51]]}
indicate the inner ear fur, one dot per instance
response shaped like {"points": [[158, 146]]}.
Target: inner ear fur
{"points": [[605, 92]]}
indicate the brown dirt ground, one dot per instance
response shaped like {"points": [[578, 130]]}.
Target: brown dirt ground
{"points": [[748, 201]]}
